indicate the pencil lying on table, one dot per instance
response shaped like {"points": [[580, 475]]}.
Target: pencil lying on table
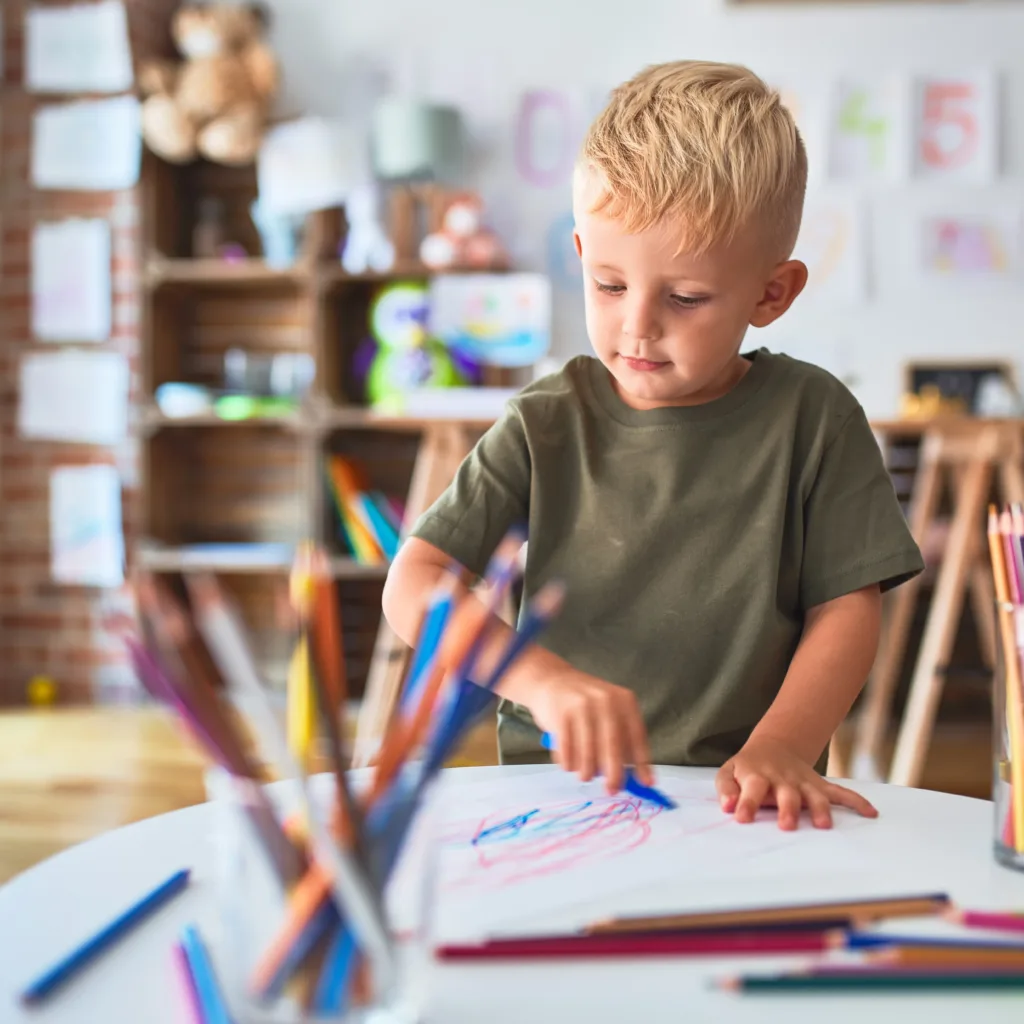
{"points": [[859, 911]]}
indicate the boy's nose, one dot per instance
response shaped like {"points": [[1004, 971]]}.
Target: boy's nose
{"points": [[641, 323]]}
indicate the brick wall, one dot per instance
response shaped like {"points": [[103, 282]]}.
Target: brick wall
{"points": [[46, 628]]}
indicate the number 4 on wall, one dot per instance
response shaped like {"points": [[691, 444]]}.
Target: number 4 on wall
{"points": [[956, 127]]}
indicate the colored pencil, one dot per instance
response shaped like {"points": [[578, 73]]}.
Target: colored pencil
{"points": [[459, 647], [737, 943], [871, 981], [1007, 922], [193, 1007], [958, 958], [69, 965], [856, 910], [211, 1000], [630, 783], [336, 979], [335, 869], [884, 940]]}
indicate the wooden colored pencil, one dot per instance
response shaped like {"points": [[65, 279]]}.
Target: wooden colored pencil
{"points": [[1011, 666], [187, 983], [737, 943], [459, 645], [871, 980], [333, 869], [68, 966], [988, 919], [950, 956], [857, 910], [211, 999]]}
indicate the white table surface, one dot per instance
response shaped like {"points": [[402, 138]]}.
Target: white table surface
{"points": [[922, 842]]}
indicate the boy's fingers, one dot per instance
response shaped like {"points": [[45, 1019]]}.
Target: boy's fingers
{"points": [[789, 802], [611, 751], [753, 790], [586, 759], [639, 752], [728, 788], [817, 803], [565, 747], [848, 798]]}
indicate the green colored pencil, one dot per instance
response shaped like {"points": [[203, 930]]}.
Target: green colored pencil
{"points": [[870, 981]]}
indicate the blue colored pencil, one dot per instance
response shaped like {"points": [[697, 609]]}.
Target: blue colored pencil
{"points": [[214, 1008], [120, 926], [881, 940], [336, 977], [631, 784], [439, 611]]}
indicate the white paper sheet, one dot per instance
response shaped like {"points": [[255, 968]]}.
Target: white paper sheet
{"points": [[832, 243], [868, 129], [86, 538], [956, 127], [80, 48], [497, 319], [971, 246], [88, 145], [511, 855], [71, 287], [74, 396]]}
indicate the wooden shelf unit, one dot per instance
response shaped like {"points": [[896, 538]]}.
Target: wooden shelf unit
{"points": [[207, 481]]}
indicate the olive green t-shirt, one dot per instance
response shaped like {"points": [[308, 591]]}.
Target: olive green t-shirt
{"points": [[692, 540]]}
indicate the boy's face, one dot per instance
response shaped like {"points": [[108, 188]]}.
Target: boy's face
{"points": [[669, 326]]}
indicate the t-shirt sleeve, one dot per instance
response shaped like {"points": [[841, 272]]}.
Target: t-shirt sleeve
{"points": [[855, 533], [489, 495]]}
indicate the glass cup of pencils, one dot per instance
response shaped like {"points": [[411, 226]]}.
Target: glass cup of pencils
{"points": [[284, 952], [1006, 549]]}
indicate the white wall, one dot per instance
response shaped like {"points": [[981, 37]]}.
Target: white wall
{"points": [[482, 54]]}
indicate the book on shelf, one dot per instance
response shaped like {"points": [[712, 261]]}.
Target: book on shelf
{"points": [[369, 522]]}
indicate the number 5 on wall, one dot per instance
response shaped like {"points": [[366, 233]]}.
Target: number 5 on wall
{"points": [[956, 127]]}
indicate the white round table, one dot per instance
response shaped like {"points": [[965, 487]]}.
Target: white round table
{"points": [[922, 842]]}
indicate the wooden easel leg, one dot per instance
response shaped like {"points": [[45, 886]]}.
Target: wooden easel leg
{"points": [[873, 719], [940, 631]]}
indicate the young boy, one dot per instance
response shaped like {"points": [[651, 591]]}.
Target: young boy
{"points": [[723, 522]]}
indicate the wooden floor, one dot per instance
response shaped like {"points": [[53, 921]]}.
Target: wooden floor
{"points": [[67, 775]]}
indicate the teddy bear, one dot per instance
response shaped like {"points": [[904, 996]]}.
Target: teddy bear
{"points": [[462, 240], [215, 102]]}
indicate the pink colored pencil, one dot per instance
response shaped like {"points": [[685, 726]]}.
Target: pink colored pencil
{"points": [[651, 944], [188, 985], [1004, 922]]}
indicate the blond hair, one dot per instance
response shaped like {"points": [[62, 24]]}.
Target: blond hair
{"points": [[709, 143]]}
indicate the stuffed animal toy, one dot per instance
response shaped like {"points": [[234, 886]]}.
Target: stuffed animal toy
{"points": [[215, 103], [407, 357], [463, 241], [366, 245]]}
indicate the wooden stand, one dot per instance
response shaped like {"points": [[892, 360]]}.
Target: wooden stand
{"points": [[968, 453]]}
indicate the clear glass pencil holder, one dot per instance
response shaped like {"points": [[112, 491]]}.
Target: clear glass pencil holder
{"points": [[253, 906], [1008, 737]]}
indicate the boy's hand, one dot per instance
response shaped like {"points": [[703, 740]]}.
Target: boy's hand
{"points": [[766, 772], [597, 727]]}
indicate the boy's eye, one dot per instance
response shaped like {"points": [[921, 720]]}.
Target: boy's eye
{"points": [[610, 289], [689, 301]]}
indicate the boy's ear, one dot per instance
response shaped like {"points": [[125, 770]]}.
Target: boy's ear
{"points": [[576, 241], [785, 284]]}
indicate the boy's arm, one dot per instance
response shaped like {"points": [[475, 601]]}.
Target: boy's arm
{"points": [[597, 726], [831, 664]]}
